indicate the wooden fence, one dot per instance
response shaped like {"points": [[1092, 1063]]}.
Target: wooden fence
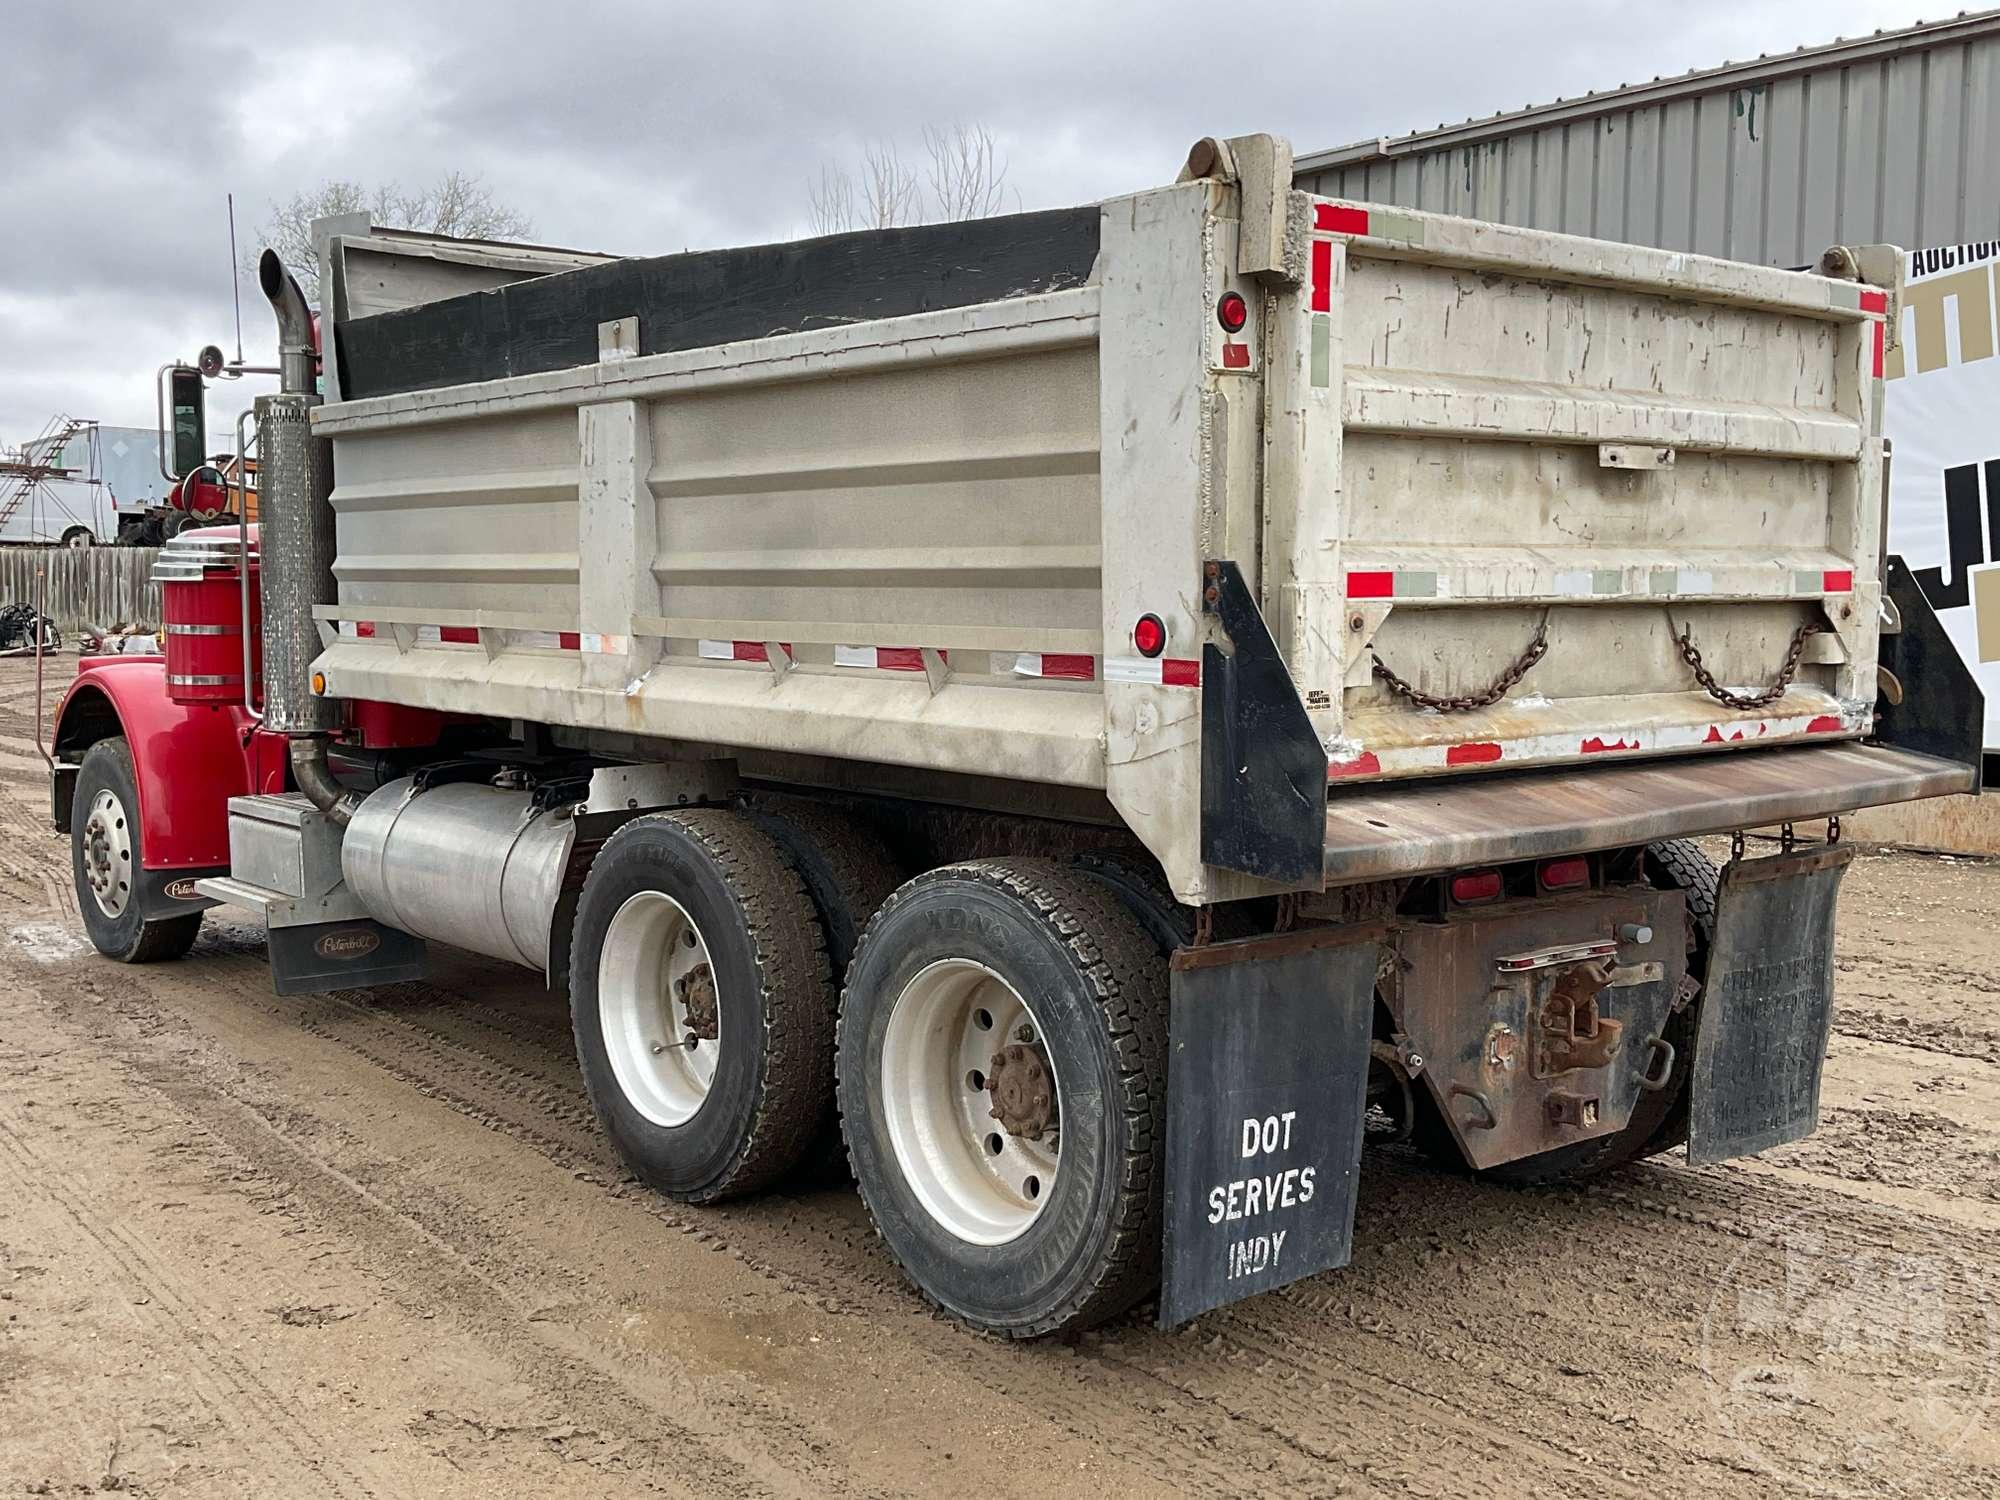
{"points": [[101, 586]]}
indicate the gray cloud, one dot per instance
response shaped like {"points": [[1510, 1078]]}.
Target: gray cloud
{"points": [[647, 128]]}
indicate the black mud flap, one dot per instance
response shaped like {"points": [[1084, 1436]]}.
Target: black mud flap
{"points": [[322, 956], [1267, 1083], [1263, 769], [1768, 1004], [1942, 711]]}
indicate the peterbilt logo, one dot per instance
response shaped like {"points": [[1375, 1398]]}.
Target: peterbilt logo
{"points": [[348, 945], [182, 890]]}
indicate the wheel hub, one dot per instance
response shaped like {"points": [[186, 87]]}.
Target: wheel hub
{"points": [[107, 853], [971, 1101], [1023, 1090], [660, 1008]]}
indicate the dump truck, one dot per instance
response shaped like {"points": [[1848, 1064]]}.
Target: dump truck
{"points": [[1104, 712]]}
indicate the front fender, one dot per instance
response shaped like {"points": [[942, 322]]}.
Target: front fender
{"points": [[189, 758]]}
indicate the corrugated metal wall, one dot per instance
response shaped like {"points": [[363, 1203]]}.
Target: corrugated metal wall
{"points": [[101, 586], [1883, 143]]}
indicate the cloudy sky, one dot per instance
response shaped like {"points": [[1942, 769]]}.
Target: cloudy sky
{"points": [[647, 128]]}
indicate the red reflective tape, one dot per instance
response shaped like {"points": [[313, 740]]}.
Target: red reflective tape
{"points": [[1341, 218], [897, 658], [365, 629], [1364, 764], [1825, 724], [1370, 585], [1597, 746], [1175, 672], [1837, 580], [569, 640], [1472, 753], [1235, 356], [1075, 668], [1881, 329], [459, 635], [1322, 275], [748, 651], [1875, 302]]}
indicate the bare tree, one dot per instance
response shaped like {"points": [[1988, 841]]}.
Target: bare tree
{"points": [[965, 179], [458, 204], [967, 175], [884, 193]]}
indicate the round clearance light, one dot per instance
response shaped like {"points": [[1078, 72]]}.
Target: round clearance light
{"points": [[1232, 312], [319, 684], [1149, 636]]}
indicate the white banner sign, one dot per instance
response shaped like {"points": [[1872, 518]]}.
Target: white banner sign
{"points": [[1943, 416]]}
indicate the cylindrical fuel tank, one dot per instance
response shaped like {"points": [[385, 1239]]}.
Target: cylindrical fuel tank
{"points": [[201, 609], [464, 864]]}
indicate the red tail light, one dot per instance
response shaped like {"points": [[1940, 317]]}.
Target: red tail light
{"points": [[1475, 887], [1149, 636], [1564, 874], [1232, 312]]}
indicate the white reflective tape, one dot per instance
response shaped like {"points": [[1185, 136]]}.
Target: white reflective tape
{"points": [[716, 650], [1573, 583], [1696, 581], [544, 638], [427, 635], [603, 645], [854, 656], [1133, 669]]}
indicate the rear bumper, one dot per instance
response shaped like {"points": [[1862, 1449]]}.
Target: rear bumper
{"points": [[1420, 829]]}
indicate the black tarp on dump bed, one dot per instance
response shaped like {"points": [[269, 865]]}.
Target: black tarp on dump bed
{"points": [[710, 297]]}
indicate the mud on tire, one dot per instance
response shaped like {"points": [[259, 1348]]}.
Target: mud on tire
{"points": [[771, 1012], [1097, 985]]}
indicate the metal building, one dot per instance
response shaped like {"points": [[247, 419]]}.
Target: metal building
{"points": [[1893, 138]]}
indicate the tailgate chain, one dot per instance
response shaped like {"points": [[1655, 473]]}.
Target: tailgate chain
{"points": [[1684, 643], [1536, 650]]}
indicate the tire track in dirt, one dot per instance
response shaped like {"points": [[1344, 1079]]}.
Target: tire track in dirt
{"points": [[233, 1389], [429, 1274], [808, 1256]]}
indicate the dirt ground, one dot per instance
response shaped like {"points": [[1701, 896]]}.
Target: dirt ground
{"points": [[371, 1244]]}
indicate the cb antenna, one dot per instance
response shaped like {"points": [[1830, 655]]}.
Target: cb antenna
{"points": [[235, 280]]}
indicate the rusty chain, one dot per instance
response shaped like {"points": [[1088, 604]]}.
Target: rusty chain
{"points": [[1495, 691], [1684, 643]]}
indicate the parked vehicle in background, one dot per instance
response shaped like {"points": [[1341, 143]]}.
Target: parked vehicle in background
{"points": [[1118, 704], [52, 489], [80, 483]]}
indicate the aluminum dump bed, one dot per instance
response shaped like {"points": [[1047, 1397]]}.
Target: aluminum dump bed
{"points": [[1439, 498]]}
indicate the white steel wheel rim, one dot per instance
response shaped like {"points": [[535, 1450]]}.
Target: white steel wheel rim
{"points": [[651, 953], [107, 853], [939, 1042]]}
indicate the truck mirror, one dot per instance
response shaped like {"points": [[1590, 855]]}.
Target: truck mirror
{"points": [[190, 419]]}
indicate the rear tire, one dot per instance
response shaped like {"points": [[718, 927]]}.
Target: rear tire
{"points": [[1058, 1226], [700, 1003], [105, 859]]}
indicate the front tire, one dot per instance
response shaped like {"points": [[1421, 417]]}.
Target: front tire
{"points": [[1028, 1206], [105, 860], [701, 1006]]}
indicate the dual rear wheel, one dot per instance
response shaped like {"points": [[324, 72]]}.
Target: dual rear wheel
{"points": [[998, 1053]]}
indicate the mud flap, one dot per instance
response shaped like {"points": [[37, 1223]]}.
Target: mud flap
{"points": [[1761, 1041], [1267, 1083], [354, 954]]}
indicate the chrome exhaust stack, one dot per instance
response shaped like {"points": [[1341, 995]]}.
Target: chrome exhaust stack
{"points": [[295, 546]]}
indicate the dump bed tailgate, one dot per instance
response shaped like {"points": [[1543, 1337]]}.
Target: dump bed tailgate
{"points": [[1592, 499]]}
